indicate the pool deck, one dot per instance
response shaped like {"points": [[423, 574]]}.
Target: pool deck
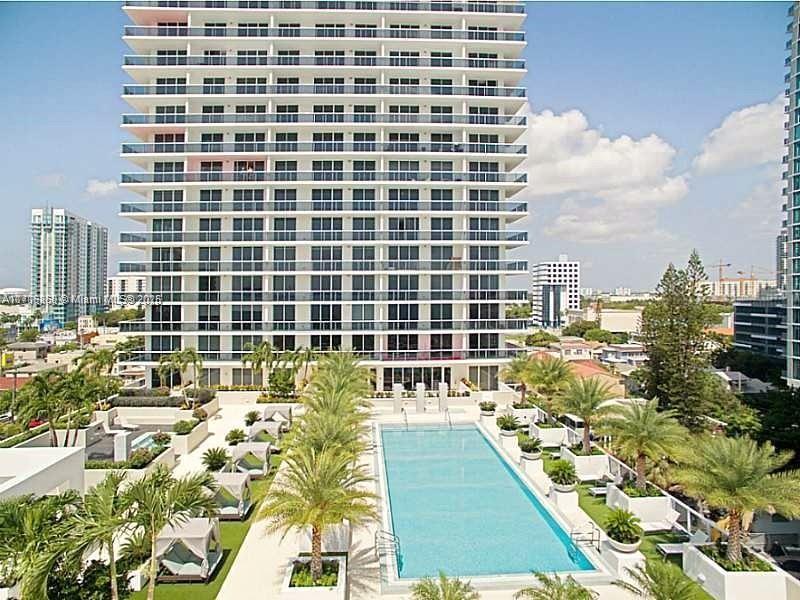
{"points": [[261, 562]]}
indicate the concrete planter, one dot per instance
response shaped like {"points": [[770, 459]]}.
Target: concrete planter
{"points": [[619, 562], [562, 488], [622, 547], [138, 578], [550, 437], [183, 444], [488, 419], [525, 416], [531, 455], [10, 593], [315, 593], [588, 468], [91, 477], [508, 433], [654, 509], [565, 498], [730, 585]]}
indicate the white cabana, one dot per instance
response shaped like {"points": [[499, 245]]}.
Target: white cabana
{"points": [[232, 495], [189, 552], [252, 458], [265, 431], [279, 414]]}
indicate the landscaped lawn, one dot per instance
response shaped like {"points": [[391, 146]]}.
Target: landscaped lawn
{"points": [[232, 534]]}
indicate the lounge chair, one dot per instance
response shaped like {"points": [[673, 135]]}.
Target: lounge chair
{"points": [[598, 491], [666, 525], [670, 549]]}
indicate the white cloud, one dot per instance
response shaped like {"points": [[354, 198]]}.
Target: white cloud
{"points": [[747, 137], [50, 180], [760, 209], [95, 187], [611, 189]]}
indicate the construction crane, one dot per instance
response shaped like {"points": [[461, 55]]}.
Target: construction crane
{"points": [[719, 265], [753, 270]]}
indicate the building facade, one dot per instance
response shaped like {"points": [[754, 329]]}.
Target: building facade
{"points": [[791, 193], [334, 175], [731, 288], [759, 325], [69, 258], [126, 291], [556, 289]]}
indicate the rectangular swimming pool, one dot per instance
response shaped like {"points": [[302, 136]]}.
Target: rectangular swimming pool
{"points": [[457, 506]]}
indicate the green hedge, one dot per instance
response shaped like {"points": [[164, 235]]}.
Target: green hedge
{"points": [[145, 392], [138, 459]]}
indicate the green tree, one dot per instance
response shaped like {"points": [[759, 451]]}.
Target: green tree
{"points": [[443, 588], [519, 311], [579, 328], [126, 348], [739, 476], [160, 500], [548, 377], [191, 357], [587, 399], [517, 371], [28, 335], [552, 587], [540, 338], [673, 332], [98, 362], [308, 356], [659, 580], [641, 432], [41, 399], [605, 336], [261, 359]]}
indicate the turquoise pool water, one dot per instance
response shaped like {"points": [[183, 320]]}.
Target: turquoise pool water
{"points": [[457, 506]]}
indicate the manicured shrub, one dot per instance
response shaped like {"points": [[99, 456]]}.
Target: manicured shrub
{"points": [[235, 436], [162, 439], [507, 422], [562, 473], [487, 406], [184, 427], [530, 445], [251, 417], [215, 459], [200, 414], [623, 526]]}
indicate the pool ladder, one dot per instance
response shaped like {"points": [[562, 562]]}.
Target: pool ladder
{"points": [[584, 537], [447, 416], [405, 416], [387, 544]]}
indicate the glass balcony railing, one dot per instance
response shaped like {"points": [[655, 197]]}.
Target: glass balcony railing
{"points": [[335, 296], [315, 326], [367, 355], [319, 176], [246, 89], [231, 60], [317, 236], [332, 206], [324, 266], [354, 147], [346, 5], [391, 118], [325, 32]]}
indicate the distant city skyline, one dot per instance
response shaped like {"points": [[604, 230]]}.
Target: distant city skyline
{"points": [[640, 148]]}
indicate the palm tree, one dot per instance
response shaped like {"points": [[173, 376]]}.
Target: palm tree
{"points": [[166, 367], [98, 362], [318, 489], [555, 588], [659, 580], [587, 399], [641, 432], [443, 589], [307, 356], [105, 514], [548, 377], [127, 347], [518, 370], [160, 500], [739, 476], [40, 399], [192, 357], [74, 390], [261, 359]]}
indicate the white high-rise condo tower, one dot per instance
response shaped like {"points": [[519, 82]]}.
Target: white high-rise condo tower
{"points": [[69, 262], [328, 174], [556, 289]]}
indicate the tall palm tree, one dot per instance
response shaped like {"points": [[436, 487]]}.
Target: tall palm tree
{"points": [[166, 367], [75, 390], [318, 489], [659, 580], [160, 500], [641, 432], [98, 362], [192, 357], [105, 515], [443, 589], [40, 399], [127, 347], [548, 377], [517, 371], [739, 476], [555, 588], [307, 355], [587, 399], [261, 359]]}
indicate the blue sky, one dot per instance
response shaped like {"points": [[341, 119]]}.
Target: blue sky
{"points": [[627, 171]]}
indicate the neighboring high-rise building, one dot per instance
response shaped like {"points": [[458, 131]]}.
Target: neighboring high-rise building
{"points": [[69, 257], [759, 325], [731, 288], [126, 291], [791, 192], [328, 174], [780, 256], [556, 289]]}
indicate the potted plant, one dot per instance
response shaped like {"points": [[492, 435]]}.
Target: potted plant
{"points": [[623, 530], [235, 436], [563, 476], [487, 408], [508, 425], [251, 417], [531, 448], [215, 459]]}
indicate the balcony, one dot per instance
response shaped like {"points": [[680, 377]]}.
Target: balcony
{"points": [[320, 176], [347, 5], [324, 61], [324, 326], [317, 147], [245, 89], [335, 296], [322, 266], [350, 118], [161, 237], [324, 33], [134, 208]]}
